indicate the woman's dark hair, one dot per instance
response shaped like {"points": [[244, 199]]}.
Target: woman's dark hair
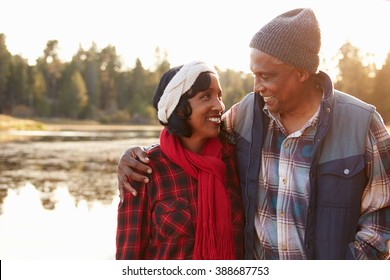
{"points": [[177, 122]]}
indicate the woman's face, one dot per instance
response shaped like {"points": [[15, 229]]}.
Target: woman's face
{"points": [[207, 108]]}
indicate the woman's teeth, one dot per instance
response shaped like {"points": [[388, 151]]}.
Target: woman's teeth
{"points": [[215, 120]]}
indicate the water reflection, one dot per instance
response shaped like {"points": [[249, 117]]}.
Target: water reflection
{"points": [[58, 198], [87, 168], [74, 230]]}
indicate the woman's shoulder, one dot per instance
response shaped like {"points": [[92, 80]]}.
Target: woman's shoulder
{"points": [[158, 161], [154, 151], [156, 156]]}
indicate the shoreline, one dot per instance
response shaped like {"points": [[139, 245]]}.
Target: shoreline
{"points": [[16, 130], [9, 123]]}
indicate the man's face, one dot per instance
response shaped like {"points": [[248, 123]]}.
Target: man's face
{"points": [[277, 82]]}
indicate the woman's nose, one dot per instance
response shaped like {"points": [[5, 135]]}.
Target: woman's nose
{"points": [[219, 105]]}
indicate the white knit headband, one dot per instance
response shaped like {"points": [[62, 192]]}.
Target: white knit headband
{"points": [[180, 83]]}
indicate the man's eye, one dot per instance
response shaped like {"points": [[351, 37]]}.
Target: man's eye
{"points": [[265, 76]]}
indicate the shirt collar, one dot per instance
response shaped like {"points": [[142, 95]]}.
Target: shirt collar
{"points": [[313, 122]]}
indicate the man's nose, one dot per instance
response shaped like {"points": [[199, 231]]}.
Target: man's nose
{"points": [[258, 86]]}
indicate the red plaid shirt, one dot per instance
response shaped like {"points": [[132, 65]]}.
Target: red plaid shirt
{"points": [[160, 222]]}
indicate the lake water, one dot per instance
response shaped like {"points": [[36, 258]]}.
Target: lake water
{"points": [[58, 193]]}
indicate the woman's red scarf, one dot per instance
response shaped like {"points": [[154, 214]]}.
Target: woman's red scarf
{"points": [[214, 234]]}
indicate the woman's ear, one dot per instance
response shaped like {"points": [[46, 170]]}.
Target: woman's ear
{"points": [[180, 114]]}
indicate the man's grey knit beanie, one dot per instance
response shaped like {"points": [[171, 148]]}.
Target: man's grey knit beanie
{"points": [[293, 37]]}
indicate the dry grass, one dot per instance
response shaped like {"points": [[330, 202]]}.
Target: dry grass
{"points": [[11, 123]]}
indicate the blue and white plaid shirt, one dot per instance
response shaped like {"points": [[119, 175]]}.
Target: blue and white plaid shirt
{"points": [[284, 191]]}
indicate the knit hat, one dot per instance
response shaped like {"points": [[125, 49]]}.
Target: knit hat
{"points": [[293, 37]]}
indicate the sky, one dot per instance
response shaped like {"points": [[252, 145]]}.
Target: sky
{"points": [[215, 31]]}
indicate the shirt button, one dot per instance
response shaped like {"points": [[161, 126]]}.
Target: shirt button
{"points": [[286, 145], [282, 214], [284, 180], [346, 171], [284, 248]]}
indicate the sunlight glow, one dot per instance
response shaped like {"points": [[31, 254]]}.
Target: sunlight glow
{"points": [[215, 31]]}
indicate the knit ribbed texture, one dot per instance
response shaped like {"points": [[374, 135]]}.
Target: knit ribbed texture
{"points": [[180, 84], [293, 37]]}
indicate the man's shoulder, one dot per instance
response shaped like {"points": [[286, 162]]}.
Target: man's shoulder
{"points": [[247, 100], [346, 99]]}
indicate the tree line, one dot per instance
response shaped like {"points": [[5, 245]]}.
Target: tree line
{"points": [[94, 85]]}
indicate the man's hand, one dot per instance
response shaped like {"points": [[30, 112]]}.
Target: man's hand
{"points": [[133, 158]]}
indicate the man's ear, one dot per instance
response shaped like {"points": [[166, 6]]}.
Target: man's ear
{"points": [[303, 75]]}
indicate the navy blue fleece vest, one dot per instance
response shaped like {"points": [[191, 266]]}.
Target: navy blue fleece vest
{"points": [[337, 175]]}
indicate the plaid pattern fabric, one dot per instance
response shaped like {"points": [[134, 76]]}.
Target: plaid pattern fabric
{"points": [[374, 222], [281, 212], [283, 192], [160, 222]]}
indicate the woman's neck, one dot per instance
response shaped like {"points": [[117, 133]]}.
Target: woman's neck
{"points": [[193, 144]]}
